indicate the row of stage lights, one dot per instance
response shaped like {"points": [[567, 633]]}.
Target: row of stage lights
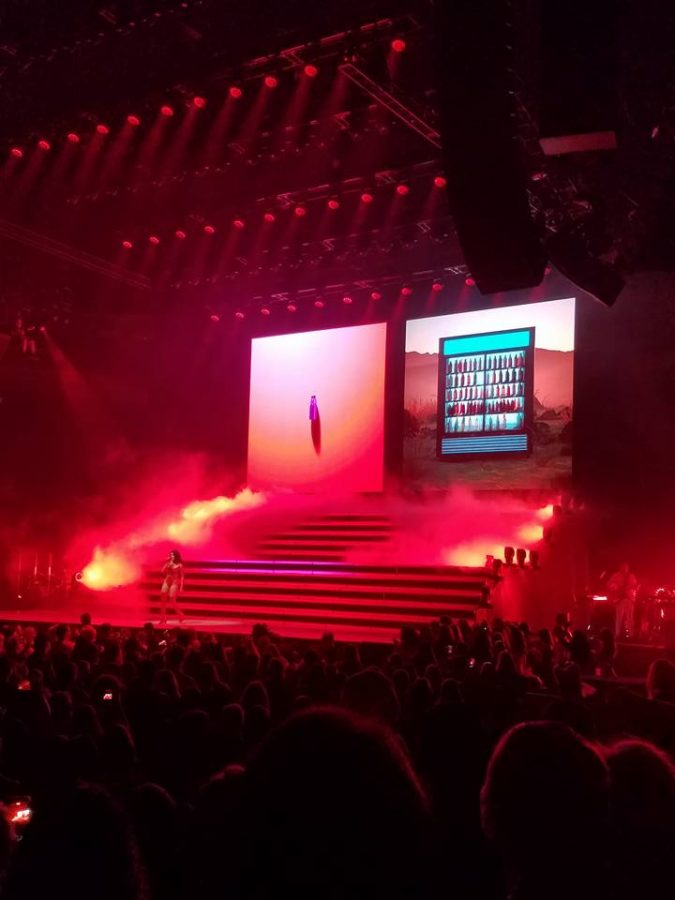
{"points": [[236, 92], [269, 217]]}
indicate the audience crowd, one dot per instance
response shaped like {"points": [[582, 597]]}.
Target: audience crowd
{"points": [[466, 761]]}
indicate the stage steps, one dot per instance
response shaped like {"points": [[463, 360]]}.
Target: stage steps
{"points": [[296, 598], [327, 538]]}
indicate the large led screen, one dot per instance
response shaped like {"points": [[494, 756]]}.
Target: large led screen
{"points": [[489, 397], [316, 410]]}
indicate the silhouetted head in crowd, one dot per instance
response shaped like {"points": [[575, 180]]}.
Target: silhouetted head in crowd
{"points": [[661, 681], [370, 693], [332, 807], [545, 805]]}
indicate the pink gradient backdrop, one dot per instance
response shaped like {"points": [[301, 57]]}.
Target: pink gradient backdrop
{"points": [[344, 367]]}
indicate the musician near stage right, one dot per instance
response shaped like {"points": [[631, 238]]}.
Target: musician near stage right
{"points": [[622, 591]]}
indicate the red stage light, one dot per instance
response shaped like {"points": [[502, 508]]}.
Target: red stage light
{"points": [[271, 81], [17, 152], [214, 317], [292, 307], [548, 270], [127, 245], [44, 145], [102, 129], [406, 291], [266, 311], [199, 102], [375, 295], [437, 286], [319, 304], [333, 204], [236, 92], [366, 197], [347, 300], [154, 240], [239, 223], [209, 229], [134, 121], [311, 71], [166, 111], [181, 235], [239, 315], [469, 281], [73, 138], [269, 217], [398, 45], [300, 211], [440, 181], [402, 189]]}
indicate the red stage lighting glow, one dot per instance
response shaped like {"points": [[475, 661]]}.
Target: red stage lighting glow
{"points": [[402, 189], [134, 121], [269, 217], [548, 270], [154, 240], [311, 71], [214, 317], [209, 229], [127, 245], [300, 211], [437, 286], [469, 281], [333, 204], [366, 197], [166, 111], [398, 45], [440, 181], [199, 102], [319, 304], [181, 235], [44, 145], [239, 223], [266, 311], [406, 291], [347, 300], [73, 138], [102, 129], [375, 295], [236, 92], [292, 308], [17, 152], [271, 81], [239, 315]]}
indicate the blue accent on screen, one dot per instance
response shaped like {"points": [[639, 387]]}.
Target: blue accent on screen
{"points": [[494, 443], [486, 343]]}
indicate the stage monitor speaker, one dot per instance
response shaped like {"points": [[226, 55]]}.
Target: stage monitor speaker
{"points": [[487, 184]]}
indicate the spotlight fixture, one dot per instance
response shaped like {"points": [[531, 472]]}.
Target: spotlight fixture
{"points": [[311, 71], [127, 245], [73, 138], [239, 224], [469, 281], [534, 559], [291, 307], [437, 286], [265, 311], [134, 121], [319, 303], [154, 240], [398, 45], [166, 111], [44, 145], [347, 300], [271, 81], [521, 557], [402, 189], [269, 217], [17, 152], [199, 102], [367, 197], [509, 555], [239, 315], [333, 203], [375, 295], [406, 291], [209, 229], [300, 211], [102, 129], [440, 181], [181, 235], [236, 92]]}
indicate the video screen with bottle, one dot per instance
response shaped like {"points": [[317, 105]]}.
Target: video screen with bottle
{"points": [[489, 397]]}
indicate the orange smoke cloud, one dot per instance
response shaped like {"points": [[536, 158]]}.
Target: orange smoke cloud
{"points": [[194, 523]]}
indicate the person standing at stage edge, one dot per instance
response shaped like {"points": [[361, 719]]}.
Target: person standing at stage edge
{"points": [[622, 590]]}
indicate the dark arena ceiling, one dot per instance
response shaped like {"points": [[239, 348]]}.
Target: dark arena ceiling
{"points": [[281, 152]]}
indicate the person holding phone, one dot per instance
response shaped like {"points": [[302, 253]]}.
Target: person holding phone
{"points": [[172, 586]]}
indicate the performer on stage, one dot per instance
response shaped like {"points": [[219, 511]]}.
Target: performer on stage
{"points": [[622, 589], [172, 585]]}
